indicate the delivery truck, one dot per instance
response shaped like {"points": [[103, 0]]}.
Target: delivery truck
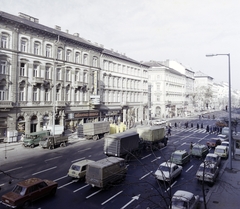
{"points": [[96, 130], [50, 142], [106, 172]]}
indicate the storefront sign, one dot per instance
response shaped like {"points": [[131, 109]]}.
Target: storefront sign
{"points": [[86, 114]]}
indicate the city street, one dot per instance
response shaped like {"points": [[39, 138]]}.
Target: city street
{"points": [[139, 190]]}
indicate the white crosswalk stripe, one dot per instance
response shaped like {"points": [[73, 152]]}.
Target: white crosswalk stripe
{"points": [[192, 129]]}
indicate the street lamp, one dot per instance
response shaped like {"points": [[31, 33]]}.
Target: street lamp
{"points": [[229, 106]]}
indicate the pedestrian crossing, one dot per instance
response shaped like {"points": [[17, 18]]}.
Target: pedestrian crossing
{"points": [[191, 129]]}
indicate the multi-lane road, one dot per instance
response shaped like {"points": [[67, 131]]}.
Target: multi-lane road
{"points": [[139, 190]]}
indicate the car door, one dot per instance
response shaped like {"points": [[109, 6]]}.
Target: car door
{"points": [[33, 192]]}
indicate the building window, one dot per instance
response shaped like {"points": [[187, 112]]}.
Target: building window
{"points": [[68, 73], [85, 59], [35, 94], [48, 50], [37, 48], [22, 69], [67, 95], [58, 73], [47, 95], [35, 70], [3, 93], [59, 53], [58, 95], [77, 57], [21, 94], [47, 72], [77, 76], [95, 60], [3, 67], [85, 77], [24, 43], [68, 55], [4, 41]]}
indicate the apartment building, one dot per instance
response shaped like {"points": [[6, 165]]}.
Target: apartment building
{"points": [[48, 76]]}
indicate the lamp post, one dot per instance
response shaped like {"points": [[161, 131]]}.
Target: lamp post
{"points": [[229, 107]]}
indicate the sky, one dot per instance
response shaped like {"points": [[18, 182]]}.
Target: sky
{"points": [[180, 30]]}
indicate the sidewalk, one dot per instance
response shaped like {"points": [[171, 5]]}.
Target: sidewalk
{"points": [[226, 193]]}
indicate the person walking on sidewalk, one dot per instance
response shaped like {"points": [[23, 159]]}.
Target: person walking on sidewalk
{"points": [[169, 131]]}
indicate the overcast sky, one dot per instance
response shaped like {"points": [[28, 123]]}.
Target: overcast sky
{"points": [[180, 30]]}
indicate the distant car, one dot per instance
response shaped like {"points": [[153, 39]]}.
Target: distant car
{"points": [[28, 191], [180, 157], [225, 143], [199, 150], [168, 171], [207, 172], [159, 122], [221, 123], [213, 142], [221, 151], [213, 158], [183, 199], [78, 169]]}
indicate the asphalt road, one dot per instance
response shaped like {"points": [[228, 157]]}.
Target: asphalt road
{"points": [[139, 190]]}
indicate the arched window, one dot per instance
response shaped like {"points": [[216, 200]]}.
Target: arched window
{"points": [[3, 91], [37, 48], [22, 93], [24, 45], [5, 40], [77, 57], [69, 55], [48, 50], [59, 53], [95, 61], [85, 59]]}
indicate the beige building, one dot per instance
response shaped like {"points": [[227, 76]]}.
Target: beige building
{"points": [[48, 76]]}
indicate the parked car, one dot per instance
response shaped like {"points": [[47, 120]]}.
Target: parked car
{"points": [[183, 199], [221, 151], [78, 169], [168, 171], [213, 142], [28, 191], [180, 157], [213, 158], [199, 150], [159, 122], [207, 172], [225, 143]]}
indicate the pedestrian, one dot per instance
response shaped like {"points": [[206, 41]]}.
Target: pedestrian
{"points": [[210, 129], [191, 146], [207, 128], [191, 125], [197, 126], [175, 125], [201, 125], [169, 131]]}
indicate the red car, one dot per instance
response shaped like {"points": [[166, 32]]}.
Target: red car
{"points": [[28, 191], [213, 143]]}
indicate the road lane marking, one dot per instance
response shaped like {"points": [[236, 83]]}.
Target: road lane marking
{"points": [[44, 170], [171, 185], [93, 194], [71, 182], [84, 150], [146, 156], [11, 170], [189, 168], [53, 158], [155, 159], [80, 188], [77, 159], [133, 199], [183, 143], [175, 142], [1, 185], [111, 198], [61, 178], [145, 175]]}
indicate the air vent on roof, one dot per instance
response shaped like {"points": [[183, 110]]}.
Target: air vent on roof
{"points": [[76, 34], [28, 17], [57, 27], [67, 31]]}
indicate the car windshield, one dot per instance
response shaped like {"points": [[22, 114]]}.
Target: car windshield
{"points": [[19, 190], [76, 167], [164, 168], [176, 156], [220, 150], [179, 203], [210, 159]]}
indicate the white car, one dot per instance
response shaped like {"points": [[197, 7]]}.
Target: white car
{"points": [[225, 143], [168, 171], [213, 158], [159, 122], [183, 199], [222, 151], [207, 172]]}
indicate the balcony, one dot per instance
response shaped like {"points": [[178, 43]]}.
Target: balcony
{"points": [[5, 104], [37, 80]]}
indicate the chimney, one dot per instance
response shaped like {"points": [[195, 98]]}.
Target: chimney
{"points": [[76, 34], [57, 27], [67, 31]]}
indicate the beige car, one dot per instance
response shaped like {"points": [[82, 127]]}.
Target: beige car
{"points": [[221, 151], [78, 169]]}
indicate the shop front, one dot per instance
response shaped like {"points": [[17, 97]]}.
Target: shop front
{"points": [[112, 115], [73, 119]]}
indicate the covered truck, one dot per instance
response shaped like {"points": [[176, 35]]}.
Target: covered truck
{"points": [[51, 142], [122, 144], [96, 130], [152, 137], [104, 173]]}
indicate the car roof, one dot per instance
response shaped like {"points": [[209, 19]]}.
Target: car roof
{"points": [[29, 182], [183, 195], [199, 145], [220, 147], [168, 164], [179, 152], [83, 162], [212, 155]]}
